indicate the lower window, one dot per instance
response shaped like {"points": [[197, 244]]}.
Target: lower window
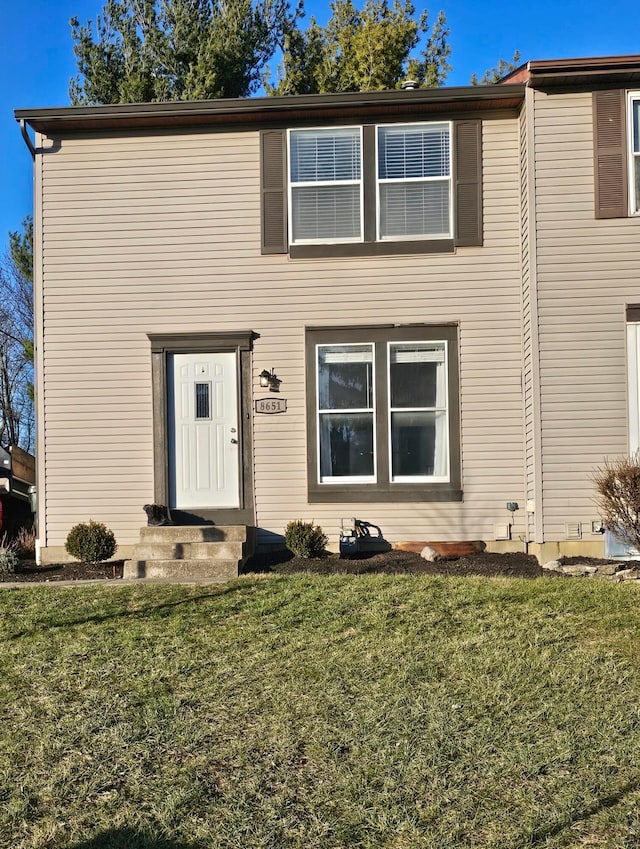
{"points": [[382, 413]]}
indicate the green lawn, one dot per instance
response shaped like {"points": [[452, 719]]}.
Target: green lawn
{"points": [[321, 713]]}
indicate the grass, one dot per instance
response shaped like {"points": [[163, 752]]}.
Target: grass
{"points": [[321, 712]]}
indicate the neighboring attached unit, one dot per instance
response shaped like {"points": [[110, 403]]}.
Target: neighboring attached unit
{"points": [[17, 490]]}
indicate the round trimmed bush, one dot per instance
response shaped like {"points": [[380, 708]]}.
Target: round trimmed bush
{"points": [[305, 539], [91, 542], [9, 560]]}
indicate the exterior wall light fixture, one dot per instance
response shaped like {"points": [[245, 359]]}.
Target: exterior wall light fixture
{"points": [[270, 379]]}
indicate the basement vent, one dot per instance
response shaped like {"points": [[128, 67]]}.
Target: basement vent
{"points": [[573, 530], [502, 531]]}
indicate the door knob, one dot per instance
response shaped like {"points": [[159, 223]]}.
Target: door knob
{"points": [[234, 441]]}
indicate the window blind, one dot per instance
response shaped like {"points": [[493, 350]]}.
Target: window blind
{"points": [[416, 152], [414, 174], [357, 355], [414, 209], [324, 167], [416, 354], [325, 155], [325, 212]]}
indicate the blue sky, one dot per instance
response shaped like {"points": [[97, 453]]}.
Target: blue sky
{"points": [[36, 59]]}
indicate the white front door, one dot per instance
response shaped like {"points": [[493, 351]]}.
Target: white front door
{"points": [[203, 430]]}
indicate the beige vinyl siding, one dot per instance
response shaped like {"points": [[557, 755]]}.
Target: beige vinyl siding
{"points": [[587, 273], [527, 345], [152, 234], [530, 326]]}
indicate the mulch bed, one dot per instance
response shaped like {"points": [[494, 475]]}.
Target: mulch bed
{"points": [[28, 572], [394, 562]]}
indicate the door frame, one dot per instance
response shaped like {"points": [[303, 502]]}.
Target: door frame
{"points": [[164, 344]]}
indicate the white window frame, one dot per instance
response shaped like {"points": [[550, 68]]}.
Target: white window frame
{"points": [[379, 182], [344, 479], [419, 478], [373, 479], [308, 184], [633, 158], [633, 385]]}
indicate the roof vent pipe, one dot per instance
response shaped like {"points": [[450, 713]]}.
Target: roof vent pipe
{"points": [[409, 85]]}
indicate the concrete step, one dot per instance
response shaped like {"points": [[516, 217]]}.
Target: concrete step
{"points": [[190, 552], [226, 550], [212, 569], [192, 533]]}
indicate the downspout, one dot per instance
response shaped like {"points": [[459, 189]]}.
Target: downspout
{"points": [[36, 503], [27, 138]]}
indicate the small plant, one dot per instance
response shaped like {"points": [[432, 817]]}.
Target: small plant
{"points": [[618, 486], [91, 542], [9, 559], [305, 539]]}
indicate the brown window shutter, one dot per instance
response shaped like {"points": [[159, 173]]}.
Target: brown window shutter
{"points": [[610, 150], [468, 182], [273, 191]]}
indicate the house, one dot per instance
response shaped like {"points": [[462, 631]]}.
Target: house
{"points": [[17, 490], [442, 285]]}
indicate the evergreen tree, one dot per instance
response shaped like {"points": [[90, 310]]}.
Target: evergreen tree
{"points": [[495, 74], [158, 50], [363, 50]]}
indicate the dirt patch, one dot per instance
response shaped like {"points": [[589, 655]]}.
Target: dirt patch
{"points": [[28, 572], [514, 564]]}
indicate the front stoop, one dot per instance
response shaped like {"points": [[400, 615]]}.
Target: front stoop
{"points": [[210, 552]]}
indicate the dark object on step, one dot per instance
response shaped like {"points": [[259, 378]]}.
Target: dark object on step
{"points": [[157, 514], [356, 538]]}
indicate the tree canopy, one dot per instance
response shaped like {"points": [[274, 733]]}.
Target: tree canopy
{"points": [[155, 50], [493, 75], [364, 50], [158, 50], [140, 51]]}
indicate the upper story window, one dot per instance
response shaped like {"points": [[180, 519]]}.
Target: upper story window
{"points": [[634, 151], [411, 178], [414, 181], [413, 187], [325, 189]]}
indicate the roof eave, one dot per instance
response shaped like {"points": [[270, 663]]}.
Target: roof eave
{"points": [[266, 109], [593, 71]]}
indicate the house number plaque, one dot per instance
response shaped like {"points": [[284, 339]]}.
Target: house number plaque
{"points": [[271, 405]]}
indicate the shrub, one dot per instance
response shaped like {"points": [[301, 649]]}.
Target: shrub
{"points": [[618, 487], [92, 542], [26, 543], [9, 559], [305, 539]]}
